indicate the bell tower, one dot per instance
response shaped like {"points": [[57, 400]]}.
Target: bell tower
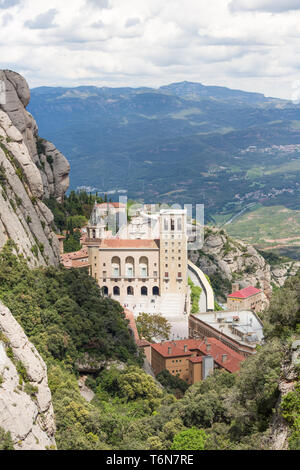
{"points": [[97, 224], [173, 251]]}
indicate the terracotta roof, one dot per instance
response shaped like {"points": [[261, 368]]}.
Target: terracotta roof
{"points": [[118, 243], [142, 343], [195, 359], [245, 293], [75, 255], [60, 237], [79, 264], [217, 349]]}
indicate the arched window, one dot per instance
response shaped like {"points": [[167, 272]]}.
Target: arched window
{"points": [[143, 266], [130, 290], [144, 290], [129, 266], [155, 290], [116, 290], [105, 290], [116, 266]]}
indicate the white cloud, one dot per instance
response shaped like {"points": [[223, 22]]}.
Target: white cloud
{"points": [[273, 6], [43, 21], [5, 4], [149, 42]]}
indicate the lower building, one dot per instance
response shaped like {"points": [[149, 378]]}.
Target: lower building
{"points": [[241, 331], [194, 360], [77, 259], [249, 298]]}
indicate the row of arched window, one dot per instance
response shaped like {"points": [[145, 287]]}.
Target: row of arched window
{"points": [[129, 266], [130, 290]]}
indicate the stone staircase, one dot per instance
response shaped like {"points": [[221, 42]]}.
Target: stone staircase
{"points": [[172, 305]]}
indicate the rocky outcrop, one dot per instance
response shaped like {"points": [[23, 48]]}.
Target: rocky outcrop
{"points": [[280, 429], [281, 272], [232, 261], [31, 169], [25, 400], [51, 164]]}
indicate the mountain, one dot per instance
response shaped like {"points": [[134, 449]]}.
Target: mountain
{"points": [[31, 169], [181, 143]]}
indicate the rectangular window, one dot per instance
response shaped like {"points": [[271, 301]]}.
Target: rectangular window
{"points": [[179, 275], [166, 274]]}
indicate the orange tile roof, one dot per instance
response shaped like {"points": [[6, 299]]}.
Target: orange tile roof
{"points": [[245, 293], [60, 237], [195, 359], [142, 343], [118, 243], [75, 255], [79, 264], [217, 350]]}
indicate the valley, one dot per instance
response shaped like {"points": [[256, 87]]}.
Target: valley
{"points": [[183, 143]]}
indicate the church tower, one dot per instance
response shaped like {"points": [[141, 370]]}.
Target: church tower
{"points": [[173, 252], [97, 224]]}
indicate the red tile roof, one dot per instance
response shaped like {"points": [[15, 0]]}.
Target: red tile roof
{"points": [[195, 359], [75, 255], [217, 349], [118, 243], [245, 293], [142, 343]]}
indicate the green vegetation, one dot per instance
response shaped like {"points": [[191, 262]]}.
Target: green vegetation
{"points": [[172, 384], [271, 226], [152, 326], [195, 296], [6, 442], [191, 439], [75, 209], [63, 313]]}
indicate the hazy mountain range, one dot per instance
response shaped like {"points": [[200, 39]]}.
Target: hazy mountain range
{"points": [[184, 143]]}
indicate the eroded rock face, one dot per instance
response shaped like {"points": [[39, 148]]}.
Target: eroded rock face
{"points": [[282, 272], [53, 167], [31, 169], [233, 261], [25, 407]]}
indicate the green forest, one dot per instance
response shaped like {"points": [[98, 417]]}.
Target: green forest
{"points": [[65, 316]]}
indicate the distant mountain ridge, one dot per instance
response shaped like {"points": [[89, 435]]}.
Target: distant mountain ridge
{"points": [[181, 143]]}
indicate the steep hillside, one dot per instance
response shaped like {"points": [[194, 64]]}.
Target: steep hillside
{"points": [[227, 260], [26, 410], [30, 169]]}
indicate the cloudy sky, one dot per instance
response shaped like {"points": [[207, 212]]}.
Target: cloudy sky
{"points": [[246, 44]]}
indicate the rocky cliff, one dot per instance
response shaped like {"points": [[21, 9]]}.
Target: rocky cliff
{"points": [[31, 169], [226, 261], [25, 400]]}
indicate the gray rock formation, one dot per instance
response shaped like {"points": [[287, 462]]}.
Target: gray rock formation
{"points": [[233, 261], [51, 164], [281, 272], [280, 429], [25, 405], [31, 169]]}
